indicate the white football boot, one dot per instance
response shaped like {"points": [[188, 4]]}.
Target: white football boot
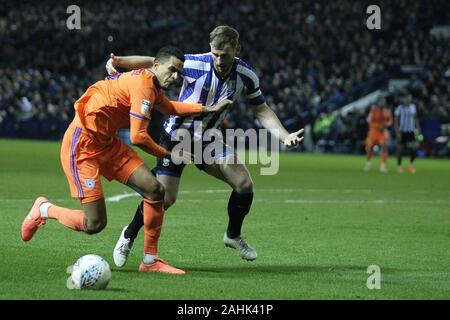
{"points": [[122, 249], [245, 250]]}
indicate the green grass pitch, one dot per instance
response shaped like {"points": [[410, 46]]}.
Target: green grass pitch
{"points": [[317, 225]]}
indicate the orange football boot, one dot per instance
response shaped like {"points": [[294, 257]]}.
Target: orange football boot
{"points": [[160, 266], [33, 220]]}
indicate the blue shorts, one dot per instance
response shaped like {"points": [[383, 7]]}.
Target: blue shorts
{"points": [[165, 166]]}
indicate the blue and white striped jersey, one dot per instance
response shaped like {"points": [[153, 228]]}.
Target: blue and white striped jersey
{"points": [[202, 85], [407, 115]]}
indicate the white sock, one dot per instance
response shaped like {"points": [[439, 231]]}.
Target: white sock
{"points": [[149, 258], [43, 208]]}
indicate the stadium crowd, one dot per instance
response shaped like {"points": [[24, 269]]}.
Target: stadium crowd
{"points": [[312, 56]]}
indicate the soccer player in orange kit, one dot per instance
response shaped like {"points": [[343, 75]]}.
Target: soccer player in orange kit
{"points": [[90, 149], [379, 119]]}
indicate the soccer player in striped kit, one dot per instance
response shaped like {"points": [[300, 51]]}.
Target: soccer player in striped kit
{"points": [[209, 78], [406, 127]]}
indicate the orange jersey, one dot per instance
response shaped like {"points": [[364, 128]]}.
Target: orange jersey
{"points": [[126, 99], [379, 119]]}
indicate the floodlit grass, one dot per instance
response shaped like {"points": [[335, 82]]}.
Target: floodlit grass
{"points": [[317, 225]]}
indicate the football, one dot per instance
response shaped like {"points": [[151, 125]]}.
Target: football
{"points": [[89, 272]]}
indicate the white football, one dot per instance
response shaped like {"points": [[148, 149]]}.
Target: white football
{"points": [[89, 272]]}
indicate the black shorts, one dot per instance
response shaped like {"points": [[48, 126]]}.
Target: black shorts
{"points": [[166, 167], [407, 138]]}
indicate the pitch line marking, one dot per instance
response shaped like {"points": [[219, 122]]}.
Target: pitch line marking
{"points": [[125, 195], [286, 201], [436, 201]]}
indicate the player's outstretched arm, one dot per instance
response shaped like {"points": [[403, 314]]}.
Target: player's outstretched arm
{"points": [[128, 62], [140, 138], [417, 124], [169, 107], [270, 121], [219, 107]]}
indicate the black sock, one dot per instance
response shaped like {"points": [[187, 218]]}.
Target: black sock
{"points": [[399, 157], [136, 224], [413, 155], [238, 207]]}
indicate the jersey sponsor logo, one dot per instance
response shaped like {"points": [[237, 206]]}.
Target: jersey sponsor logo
{"points": [[145, 106], [90, 183], [166, 162]]}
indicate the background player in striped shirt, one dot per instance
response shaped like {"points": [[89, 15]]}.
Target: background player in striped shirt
{"points": [[90, 149], [208, 79], [406, 127], [379, 119]]}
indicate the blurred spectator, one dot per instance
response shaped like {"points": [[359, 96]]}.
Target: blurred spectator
{"points": [[311, 55]]}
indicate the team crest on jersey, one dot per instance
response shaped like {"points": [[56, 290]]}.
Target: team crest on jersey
{"points": [[166, 162], [231, 85], [145, 106], [90, 183]]}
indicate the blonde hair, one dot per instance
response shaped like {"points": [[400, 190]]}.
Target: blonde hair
{"points": [[222, 35]]}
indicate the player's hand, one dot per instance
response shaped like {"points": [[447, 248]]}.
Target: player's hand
{"points": [[219, 107], [181, 156], [294, 139], [111, 64]]}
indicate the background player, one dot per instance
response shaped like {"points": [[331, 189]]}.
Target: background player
{"points": [[90, 149], [406, 127], [209, 78], [379, 119]]}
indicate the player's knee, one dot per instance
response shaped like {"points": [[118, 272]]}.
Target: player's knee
{"points": [[244, 186], [95, 226], [169, 201], [155, 192]]}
